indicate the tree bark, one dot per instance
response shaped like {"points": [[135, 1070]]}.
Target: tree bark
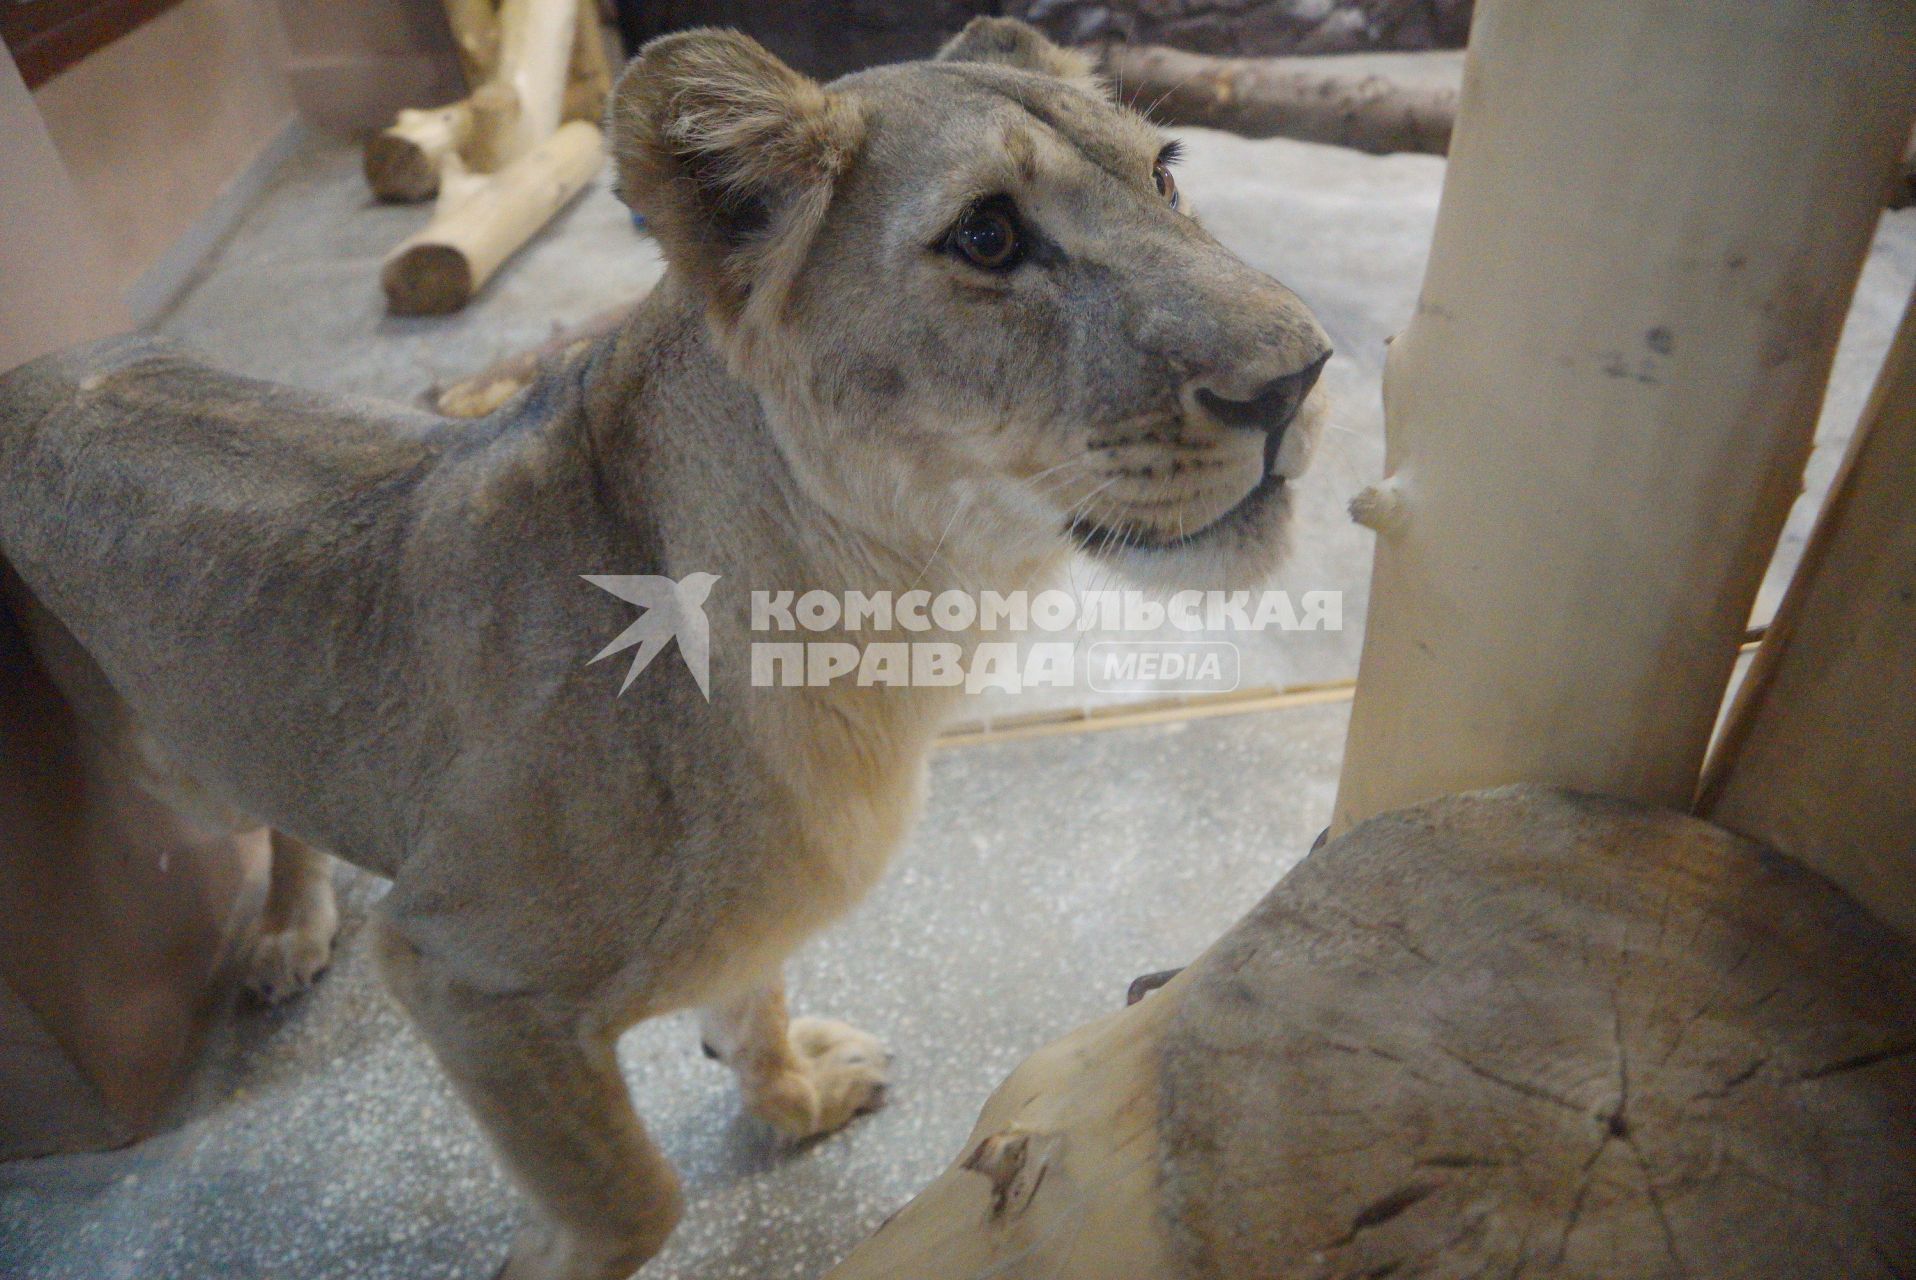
{"points": [[1345, 102]]}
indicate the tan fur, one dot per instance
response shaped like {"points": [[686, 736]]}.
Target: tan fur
{"points": [[366, 628], [1010, 43]]}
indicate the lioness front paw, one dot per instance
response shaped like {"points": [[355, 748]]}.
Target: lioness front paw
{"points": [[285, 961], [545, 1252], [839, 1073]]}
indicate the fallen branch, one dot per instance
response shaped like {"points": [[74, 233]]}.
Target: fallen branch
{"points": [[482, 221], [402, 162], [1334, 99]]}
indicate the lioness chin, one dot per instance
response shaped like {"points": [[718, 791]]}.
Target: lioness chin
{"points": [[932, 326]]}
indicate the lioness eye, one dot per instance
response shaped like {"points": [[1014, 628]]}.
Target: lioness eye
{"points": [[1167, 185], [988, 236]]}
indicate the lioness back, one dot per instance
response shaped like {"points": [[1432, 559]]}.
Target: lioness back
{"points": [[139, 481]]}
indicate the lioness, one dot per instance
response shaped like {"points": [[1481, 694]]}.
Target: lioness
{"points": [[931, 326]]}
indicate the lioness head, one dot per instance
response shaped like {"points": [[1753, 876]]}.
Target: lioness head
{"points": [[972, 303]]}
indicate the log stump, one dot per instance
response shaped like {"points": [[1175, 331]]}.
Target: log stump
{"points": [[1512, 1033]]}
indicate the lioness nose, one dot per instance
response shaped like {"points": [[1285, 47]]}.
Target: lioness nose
{"points": [[1272, 406]]}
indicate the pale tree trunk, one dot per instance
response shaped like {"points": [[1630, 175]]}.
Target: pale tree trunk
{"points": [[1819, 755], [536, 38], [1595, 425]]}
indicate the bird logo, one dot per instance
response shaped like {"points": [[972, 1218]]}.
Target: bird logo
{"points": [[672, 608]]}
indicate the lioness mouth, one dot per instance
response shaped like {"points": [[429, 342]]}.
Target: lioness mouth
{"points": [[1095, 538]]}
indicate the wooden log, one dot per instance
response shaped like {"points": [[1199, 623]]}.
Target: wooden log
{"points": [[589, 72], [402, 162], [482, 221], [1375, 102], [1065, 1152], [1598, 419], [475, 33], [1818, 757], [1338, 99], [495, 114], [532, 51], [1521, 1032], [536, 40]]}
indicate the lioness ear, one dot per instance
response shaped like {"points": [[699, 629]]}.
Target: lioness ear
{"points": [[1011, 43], [719, 144]]}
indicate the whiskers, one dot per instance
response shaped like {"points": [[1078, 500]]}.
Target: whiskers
{"points": [[932, 558], [998, 524], [1346, 459]]}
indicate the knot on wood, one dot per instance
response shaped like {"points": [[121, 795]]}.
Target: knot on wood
{"points": [[1015, 1161], [1380, 507]]}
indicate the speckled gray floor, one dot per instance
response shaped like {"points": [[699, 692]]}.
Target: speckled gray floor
{"points": [[1045, 876]]}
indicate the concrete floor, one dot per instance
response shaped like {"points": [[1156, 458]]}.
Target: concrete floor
{"points": [[320, 1140], [1045, 876]]}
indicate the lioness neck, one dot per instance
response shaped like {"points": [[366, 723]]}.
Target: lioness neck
{"points": [[687, 444], [690, 444]]}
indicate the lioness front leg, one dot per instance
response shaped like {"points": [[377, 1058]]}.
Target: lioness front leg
{"points": [[542, 1079], [294, 943], [803, 1076]]}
